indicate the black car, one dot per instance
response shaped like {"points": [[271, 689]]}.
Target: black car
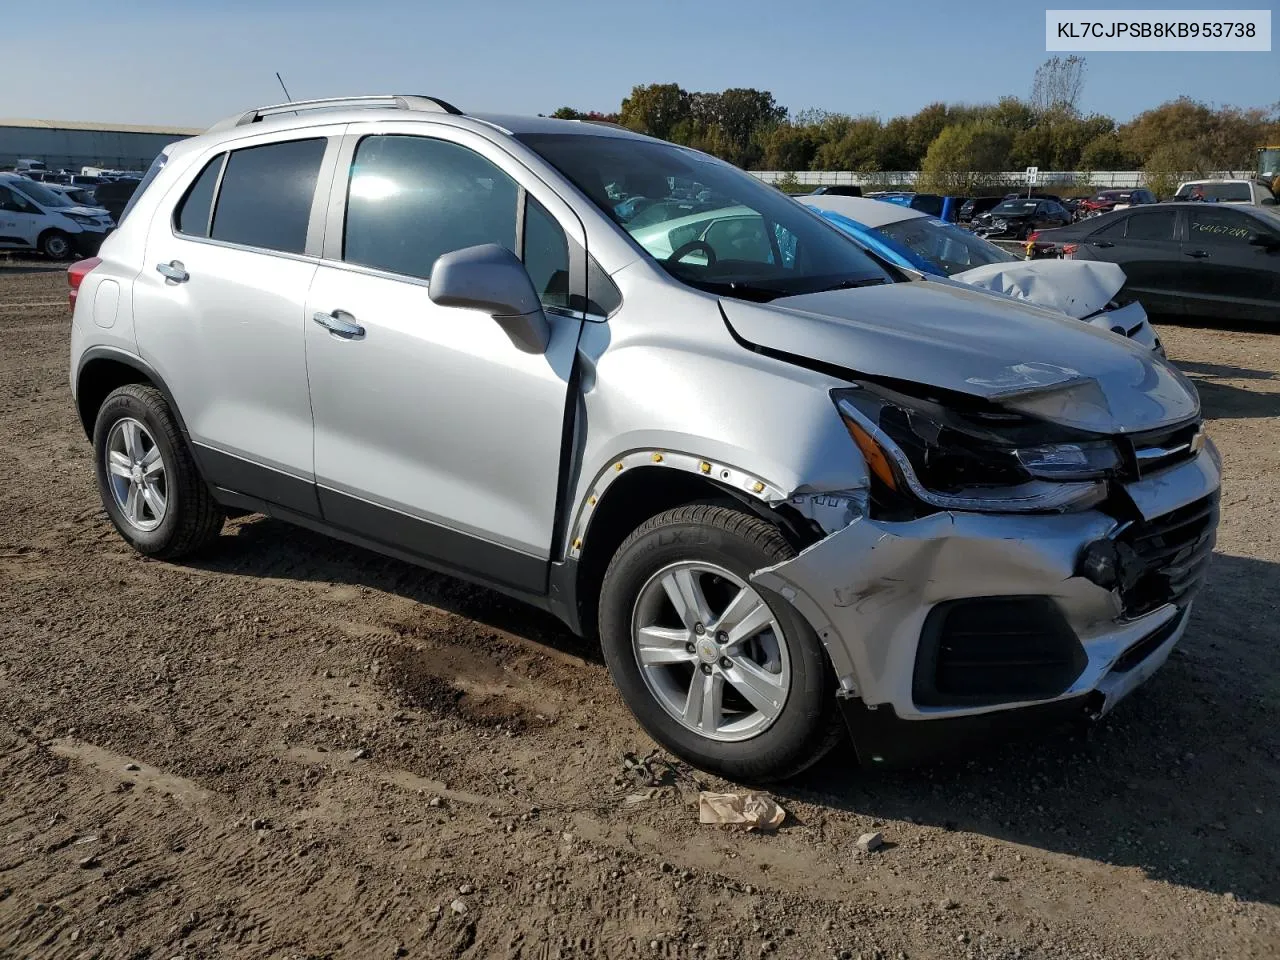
{"points": [[976, 206], [115, 195], [1186, 259], [1015, 219]]}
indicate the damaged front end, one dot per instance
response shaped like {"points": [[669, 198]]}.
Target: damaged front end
{"points": [[1005, 564]]}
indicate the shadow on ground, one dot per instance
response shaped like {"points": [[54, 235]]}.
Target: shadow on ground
{"points": [[263, 547], [1180, 781]]}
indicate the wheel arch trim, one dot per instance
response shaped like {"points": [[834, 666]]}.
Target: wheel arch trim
{"points": [[732, 478], [123, 358]]}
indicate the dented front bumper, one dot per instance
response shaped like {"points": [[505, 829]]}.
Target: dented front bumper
{"points": [[869, 590]]}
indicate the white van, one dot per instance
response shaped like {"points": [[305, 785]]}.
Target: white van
{"points": [[34, 217]]}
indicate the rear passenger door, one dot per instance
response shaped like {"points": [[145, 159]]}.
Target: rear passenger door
{"points": [[434, 434], [219, 310], [1144, 243], [1228, 275]]}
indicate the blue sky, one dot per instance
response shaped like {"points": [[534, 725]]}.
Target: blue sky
{"points": [[189, 63]]}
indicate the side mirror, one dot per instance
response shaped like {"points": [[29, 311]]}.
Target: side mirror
{"points": [[1267, 241], [1267, 202], [489, 277]]}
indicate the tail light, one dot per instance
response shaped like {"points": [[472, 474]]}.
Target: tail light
{"points": [[75, 276], [1069, 250]]}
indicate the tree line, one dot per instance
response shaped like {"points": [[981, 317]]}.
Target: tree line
{"points": [[955, 146]]}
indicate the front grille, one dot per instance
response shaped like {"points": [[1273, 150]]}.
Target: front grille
{"points": [[1155, 450], [989, 650], [1167, 556]]}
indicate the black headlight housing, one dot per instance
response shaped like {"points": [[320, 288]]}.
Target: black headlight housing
{"points": [[950, 451]]}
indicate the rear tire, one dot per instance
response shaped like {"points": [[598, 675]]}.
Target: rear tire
{"points": [[751, 739], [55, 245], [148, 479]]}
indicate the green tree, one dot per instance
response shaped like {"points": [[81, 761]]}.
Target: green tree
{"points": [[857, 149], [790, 147], [655, 109], [1104, 153], [964, 156]]}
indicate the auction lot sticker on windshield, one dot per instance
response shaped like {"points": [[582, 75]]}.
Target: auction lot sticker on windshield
{"points": [[1156, 30]]}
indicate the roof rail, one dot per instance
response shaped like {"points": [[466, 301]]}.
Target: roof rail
{"points": [[395, 101]]}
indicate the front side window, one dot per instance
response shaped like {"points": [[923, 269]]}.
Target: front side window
{"points": [[412, 199], [546, 255], [14, 202], [1157, 225], [1209, 225], [705, 222], [43, 196], [948, 248], [266, 195]]}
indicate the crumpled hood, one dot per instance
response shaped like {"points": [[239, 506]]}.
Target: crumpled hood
{"points": [[1079, 288], [85, 211], [949, 336]]}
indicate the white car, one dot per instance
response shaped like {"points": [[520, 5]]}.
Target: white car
{"points": [[35, 217], [1084, 290], [1226, 191]]}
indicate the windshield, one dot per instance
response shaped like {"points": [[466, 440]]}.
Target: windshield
{"points": [[1268, 161], [42, 194], [1014, 207], [946, 246], [707, 223], [1214, 191], [1118, 195]]}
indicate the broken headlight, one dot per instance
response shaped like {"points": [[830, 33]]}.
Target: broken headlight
{"points": [[958, 454]]}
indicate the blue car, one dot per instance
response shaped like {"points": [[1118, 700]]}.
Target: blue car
{"points": [[913, 240], [944, 208]]}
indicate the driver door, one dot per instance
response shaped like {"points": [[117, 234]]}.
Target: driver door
{"points": [[434, 434]]}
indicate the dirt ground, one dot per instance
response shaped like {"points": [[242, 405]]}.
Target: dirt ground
{"points": [[294, 748]]}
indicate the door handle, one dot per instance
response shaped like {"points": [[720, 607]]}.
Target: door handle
{"points": [[1101, 243], [1198, 254], [173, 270], [340, 324]]}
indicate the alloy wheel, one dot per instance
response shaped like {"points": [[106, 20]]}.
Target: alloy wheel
{"points": [[136, 474], [711, 651]]}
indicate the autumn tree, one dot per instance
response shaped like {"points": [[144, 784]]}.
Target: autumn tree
{"points": [[655, 109]]}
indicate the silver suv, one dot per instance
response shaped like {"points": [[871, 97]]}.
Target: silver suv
{"points": [[783, 481]]}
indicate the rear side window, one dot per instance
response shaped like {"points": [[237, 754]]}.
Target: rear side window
{"points": [[412, 199], [1157, 225], [1209, 225], [546, 255], [153, 171], [266, 195], [192, 216]]}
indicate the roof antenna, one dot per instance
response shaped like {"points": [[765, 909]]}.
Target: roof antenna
{"points": [[284, 88]]}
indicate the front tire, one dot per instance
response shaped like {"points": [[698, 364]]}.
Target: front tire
{"points": [[720, 671], [55, 245], [147, 478]]}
